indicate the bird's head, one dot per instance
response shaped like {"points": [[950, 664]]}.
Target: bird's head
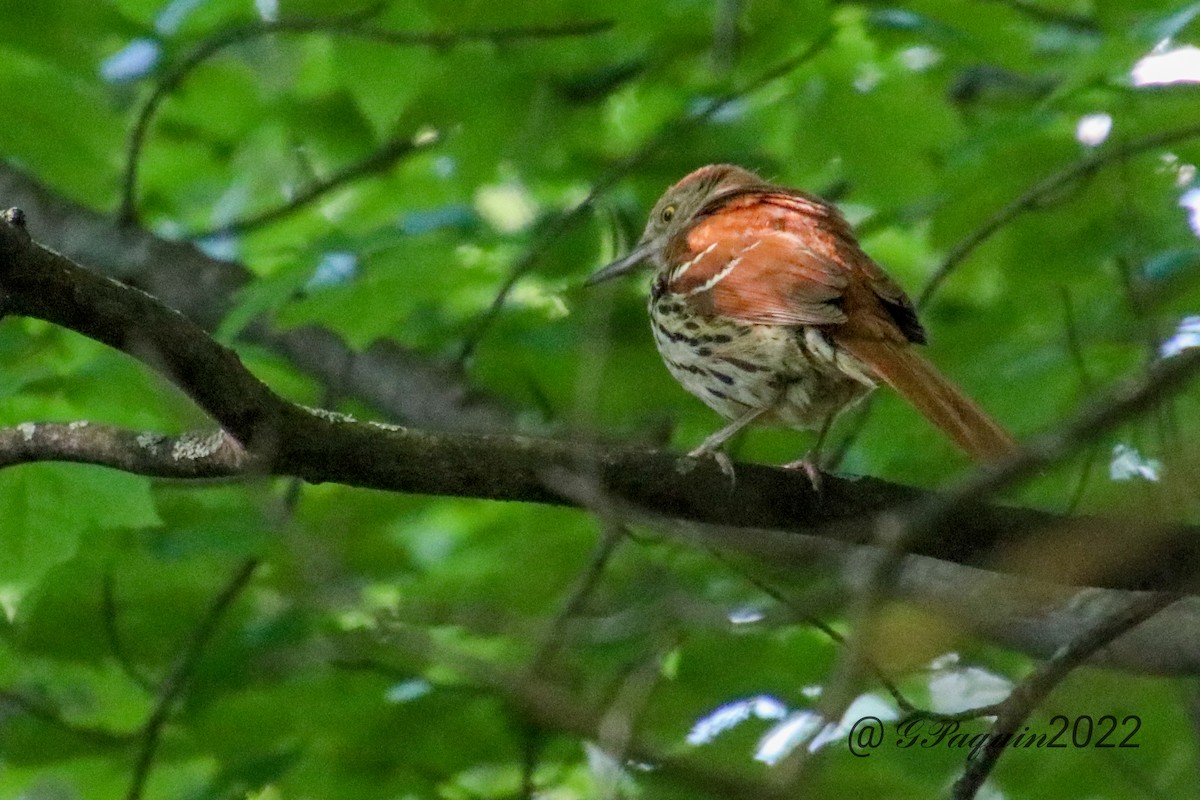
{"points": [[675, 212]]}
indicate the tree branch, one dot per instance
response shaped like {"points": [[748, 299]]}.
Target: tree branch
{"points": [[211, 454], [383, 158], [347, 25], [178, 678], [116, 644], [549, 706], [563, 222], [1029, 693], [1047, 187], [1029, 615], [760, 516], [1053, 16], [52, 716], [401, 383], [318, 446], [1034, 617]]}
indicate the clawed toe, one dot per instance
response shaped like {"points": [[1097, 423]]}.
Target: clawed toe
{"points": [[726, 465], [724, 462], [809, 465]]}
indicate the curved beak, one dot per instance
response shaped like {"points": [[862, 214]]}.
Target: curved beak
{"points": [[621, 265]]}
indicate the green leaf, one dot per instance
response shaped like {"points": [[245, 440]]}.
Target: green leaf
{"points": [[46, 507]]}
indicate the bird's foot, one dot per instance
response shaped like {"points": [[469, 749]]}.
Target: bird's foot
{"points": [[810, 467], [724, 463]]}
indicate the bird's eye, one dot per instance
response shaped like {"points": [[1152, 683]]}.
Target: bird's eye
{"points": [[668, 213]]}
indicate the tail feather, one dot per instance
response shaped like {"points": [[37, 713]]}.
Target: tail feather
{"points": [[938, 400]]}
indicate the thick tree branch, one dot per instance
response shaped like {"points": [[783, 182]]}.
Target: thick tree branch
{"points": [[288, 439], [402, 384], [1034, 617], [212, 454]]}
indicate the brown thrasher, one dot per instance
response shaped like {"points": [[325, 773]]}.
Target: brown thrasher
{"points": [[765, 307]]}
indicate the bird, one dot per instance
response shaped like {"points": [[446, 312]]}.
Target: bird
{"points": [[764, 306]]}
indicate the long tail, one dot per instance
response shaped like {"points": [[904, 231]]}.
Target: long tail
{"points": [[931, 393]]}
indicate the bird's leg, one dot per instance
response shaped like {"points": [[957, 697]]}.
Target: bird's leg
{"points": [[811, 463], [712, 445]]}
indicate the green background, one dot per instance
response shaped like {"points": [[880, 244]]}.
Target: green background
{"points": [[922, 120]]}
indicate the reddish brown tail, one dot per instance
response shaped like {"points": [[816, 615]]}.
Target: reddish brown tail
{"points": [[939, 400]]}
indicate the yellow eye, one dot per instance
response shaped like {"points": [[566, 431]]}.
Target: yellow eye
{"points": [[668, 213]]}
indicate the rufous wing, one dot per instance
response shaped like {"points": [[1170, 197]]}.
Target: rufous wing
{"points": [[776, 257], [728, 265], [763, 279], [786, 258]]}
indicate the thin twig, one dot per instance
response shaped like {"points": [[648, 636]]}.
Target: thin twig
{"points": [[726, 36], [861, 412], [976, 712], [1074, 343], [1043, 189], [377, 162], [802, 614], [1075, 349], [346, 25], [1054, 16], [1027, 201], [630, 697], [552, 707], [52, 716], [897, 532], [178, 679], [1125, 401], [611, 535], [531, 750], [109, 613], [670, 132], [1130, 268], [1030, 692]]}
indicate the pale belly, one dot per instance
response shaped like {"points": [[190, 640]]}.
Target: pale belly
{"points": [[791, 371]]}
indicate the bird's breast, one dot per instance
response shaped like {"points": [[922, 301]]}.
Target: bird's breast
{"points": [[733, 367]]}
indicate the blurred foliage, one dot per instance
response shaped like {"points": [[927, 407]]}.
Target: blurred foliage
{"points": [[922, 119]]}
